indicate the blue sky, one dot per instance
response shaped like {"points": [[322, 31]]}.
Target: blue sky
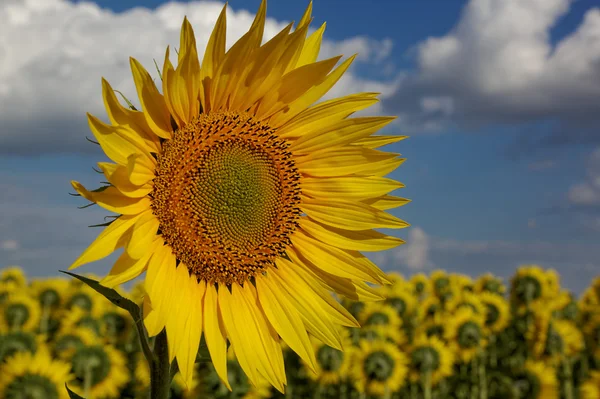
{"points": [[500, 97]]}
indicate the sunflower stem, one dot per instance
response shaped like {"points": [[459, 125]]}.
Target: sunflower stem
{"points": [[474, 379], [44, 318], [143, 337], [493, 354], [87, 380], [568, 375], [427, 385], [160, 370], [482, 379]]}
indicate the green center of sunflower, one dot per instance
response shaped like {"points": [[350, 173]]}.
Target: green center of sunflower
{"points": [[81, 300], [377, 319], [68, 342], [329, 359], [16, 342], [425, 358], [419, 287], [89, 322], [226, 194], [492, 314], [114, 322], [436, 330], [16, 314], [528, 288], [31, 386], [398, 304], [356, 307], [469, 335], [91, 362], [49, 297], [492, 286], [441, 284], [378, 366], [554, 342]]}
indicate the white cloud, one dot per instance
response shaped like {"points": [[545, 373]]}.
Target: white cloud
{"points": [[54, 52], [498, 65], [531, 223], [588, 192], [9, 245], [414, 254]]}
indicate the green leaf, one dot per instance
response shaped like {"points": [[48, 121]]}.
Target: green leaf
{"points": [[72, 394]]}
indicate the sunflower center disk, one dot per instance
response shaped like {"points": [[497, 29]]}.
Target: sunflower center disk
{"points": [[31, 386], [226, 194]]}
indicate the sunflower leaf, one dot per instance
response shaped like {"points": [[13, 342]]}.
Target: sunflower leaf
{"points": [[72, 394]]}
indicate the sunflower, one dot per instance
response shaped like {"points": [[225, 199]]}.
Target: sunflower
{"points": [[27, 375], [14, 342], [430, 309], [13, 276], [379, 314], [79, 318], [332, 364], [551, 338], [100, 371], [465, 299], [115, 324], [529, 284], [537, 381], [421, 285], [379, 367], [65, 344], [564, 306], [590, 389], [489, 283], [381, 332], [461, 282], [403, 302], [50, 294], [85, 298], [465, 334], [245, 203], [440, 281], [20, 312], [430, 354], [497, 312]]}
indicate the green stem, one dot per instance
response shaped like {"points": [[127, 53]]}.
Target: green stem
{"points": [[44, 318], [475, 379], [87, 381], [493, 353], [568, 378], [482, 379], [413, 391], [160, 369], [427, 385]]}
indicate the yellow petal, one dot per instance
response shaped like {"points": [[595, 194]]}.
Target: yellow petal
{"points": [[386, 202], [119, 177], [152, 321], [113, 200], [153, 104], [311, 96], [325, 114], [284, 318], [186, 357], [345, 132], [347, 160], [349, 187], [213, 57], [160, 279], [180, 308], [127, 268], [358, 240], [118, 142], [114, 236], [143, 235], [309, 305], [379, 141], [135, 120], [311, 48], [333, 260], [349, 215], [214, 334]]}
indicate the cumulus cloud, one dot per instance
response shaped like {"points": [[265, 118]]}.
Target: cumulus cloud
{"points": [[9, 245], [587, 192], [54, 52], [413, 255], [498, 65]]}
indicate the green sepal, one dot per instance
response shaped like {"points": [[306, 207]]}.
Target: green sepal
{"points": [[72, 394]]}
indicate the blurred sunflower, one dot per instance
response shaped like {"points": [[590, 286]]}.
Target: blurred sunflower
{"points": [[115, 324], [141, 375], [497, 312], [15, 342], [440, 281], [100, 371], [489, 283], [468, 300], [552, 338], [421, 284], [378, 368], [242, 201], [529, 283], [430, 308], [50, 294], [20, 312], [590, 388], [430, 354], [537, 381], [462, 282], [26, 375], [403, 302], [464, 333], [79, 318], [332, 364], [379, 314], [85, 298], [382, 332], [552, 282], [564, 306], [13, 277], [65, 344]]}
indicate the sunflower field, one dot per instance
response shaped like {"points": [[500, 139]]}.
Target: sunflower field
{"points": [[438, 336]]}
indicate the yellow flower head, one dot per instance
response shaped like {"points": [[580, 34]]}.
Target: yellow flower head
{"points": [[379, 314], [462, 282], [465, 299], [379, 367], [403, 302], [590, 389], [421, 284], [65, 344], [382, 332], [537, 381], [103, 367], [430, 354], [430, 308], [27, 375], [332, 364], [50, 292], [440, 281], [20, 341], [529, 284], [497, 312], [464, 332], [245, 201], [20, 312], [13, 276], [489, 283]]}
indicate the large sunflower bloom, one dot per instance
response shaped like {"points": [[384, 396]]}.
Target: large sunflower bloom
{"points": [[245, 204]]}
